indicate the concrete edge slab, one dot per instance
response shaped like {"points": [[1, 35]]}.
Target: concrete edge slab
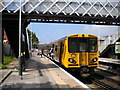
{"points": [[3, 79]]}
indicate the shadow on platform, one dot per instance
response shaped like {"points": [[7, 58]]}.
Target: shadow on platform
{"points": [[35, 65], [42, 86]]}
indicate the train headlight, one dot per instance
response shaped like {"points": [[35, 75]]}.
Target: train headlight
{"points": [[94, 60], [71, 60]]}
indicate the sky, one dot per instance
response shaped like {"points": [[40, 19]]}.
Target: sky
{"points": [[49, 32]]}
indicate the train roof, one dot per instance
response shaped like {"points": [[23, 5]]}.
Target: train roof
{"points": [[61, 39], [64, 38], [78, 35]]}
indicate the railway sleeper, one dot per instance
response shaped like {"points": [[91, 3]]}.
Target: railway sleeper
{"points": [[103, 85]]}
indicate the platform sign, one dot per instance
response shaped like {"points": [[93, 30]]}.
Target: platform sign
{"points": [[117, 48]]}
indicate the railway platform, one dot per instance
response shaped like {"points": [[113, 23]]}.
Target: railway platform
{"points": [[109, 60], [112, 65], [41, 73]]}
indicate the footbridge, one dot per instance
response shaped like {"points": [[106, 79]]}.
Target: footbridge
{"points": [[102, 12], [70, 11]]}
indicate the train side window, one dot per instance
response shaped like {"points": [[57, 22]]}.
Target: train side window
{"points": [[56, 48], [73, 45], [53, 45], [62, 47]]}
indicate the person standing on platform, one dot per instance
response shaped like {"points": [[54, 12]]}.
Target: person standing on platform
{"points": [[42, 51], [51, 53], [39, 52]]}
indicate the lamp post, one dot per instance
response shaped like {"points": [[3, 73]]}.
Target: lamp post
{"points": [[20, 43]]}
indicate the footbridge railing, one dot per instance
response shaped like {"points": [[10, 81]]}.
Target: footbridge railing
{"points": [[82, 8]]}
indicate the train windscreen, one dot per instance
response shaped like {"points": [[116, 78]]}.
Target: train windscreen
{"points": [[82, 45], [93, 47]]}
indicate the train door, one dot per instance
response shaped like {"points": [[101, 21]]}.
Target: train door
{"points": [[60, 56], [83, 55], [83, 58]]}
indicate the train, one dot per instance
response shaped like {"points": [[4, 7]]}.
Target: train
{"points": [[77, 52]]}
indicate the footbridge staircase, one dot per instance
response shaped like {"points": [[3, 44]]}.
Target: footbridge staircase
{"points": [[108, 44]]}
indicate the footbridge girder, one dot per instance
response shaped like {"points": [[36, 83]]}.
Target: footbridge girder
{"points": [[86, 11]]}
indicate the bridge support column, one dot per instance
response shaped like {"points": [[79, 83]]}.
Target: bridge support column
{"points": [[1, 41], [23, 46]]}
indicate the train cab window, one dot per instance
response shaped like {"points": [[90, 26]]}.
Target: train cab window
{"points": [[72, 45], [93, 44], [76, 45], [82, 44]]}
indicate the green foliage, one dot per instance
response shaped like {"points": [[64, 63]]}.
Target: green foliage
{"points": [[3, 66], [7, 59], [35, 40]]}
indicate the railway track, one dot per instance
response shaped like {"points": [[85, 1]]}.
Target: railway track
{"points": [[96, 81], [111, 76], [101, 80], [102, 85], [106, 79]]}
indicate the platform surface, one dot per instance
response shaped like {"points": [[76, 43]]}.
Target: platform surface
{"points": [[42, 73], [109, 60]]}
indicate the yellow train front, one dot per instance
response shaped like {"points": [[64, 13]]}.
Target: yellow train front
{"points": [[78, 52]]}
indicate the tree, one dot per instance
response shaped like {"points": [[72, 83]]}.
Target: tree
{"points": [[35, 40]]}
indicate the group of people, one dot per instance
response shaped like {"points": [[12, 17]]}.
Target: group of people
{"points": [[49, 53], [40, 52]]}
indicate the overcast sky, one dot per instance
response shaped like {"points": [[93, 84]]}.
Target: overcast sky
{"points": [[49, 32]]}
